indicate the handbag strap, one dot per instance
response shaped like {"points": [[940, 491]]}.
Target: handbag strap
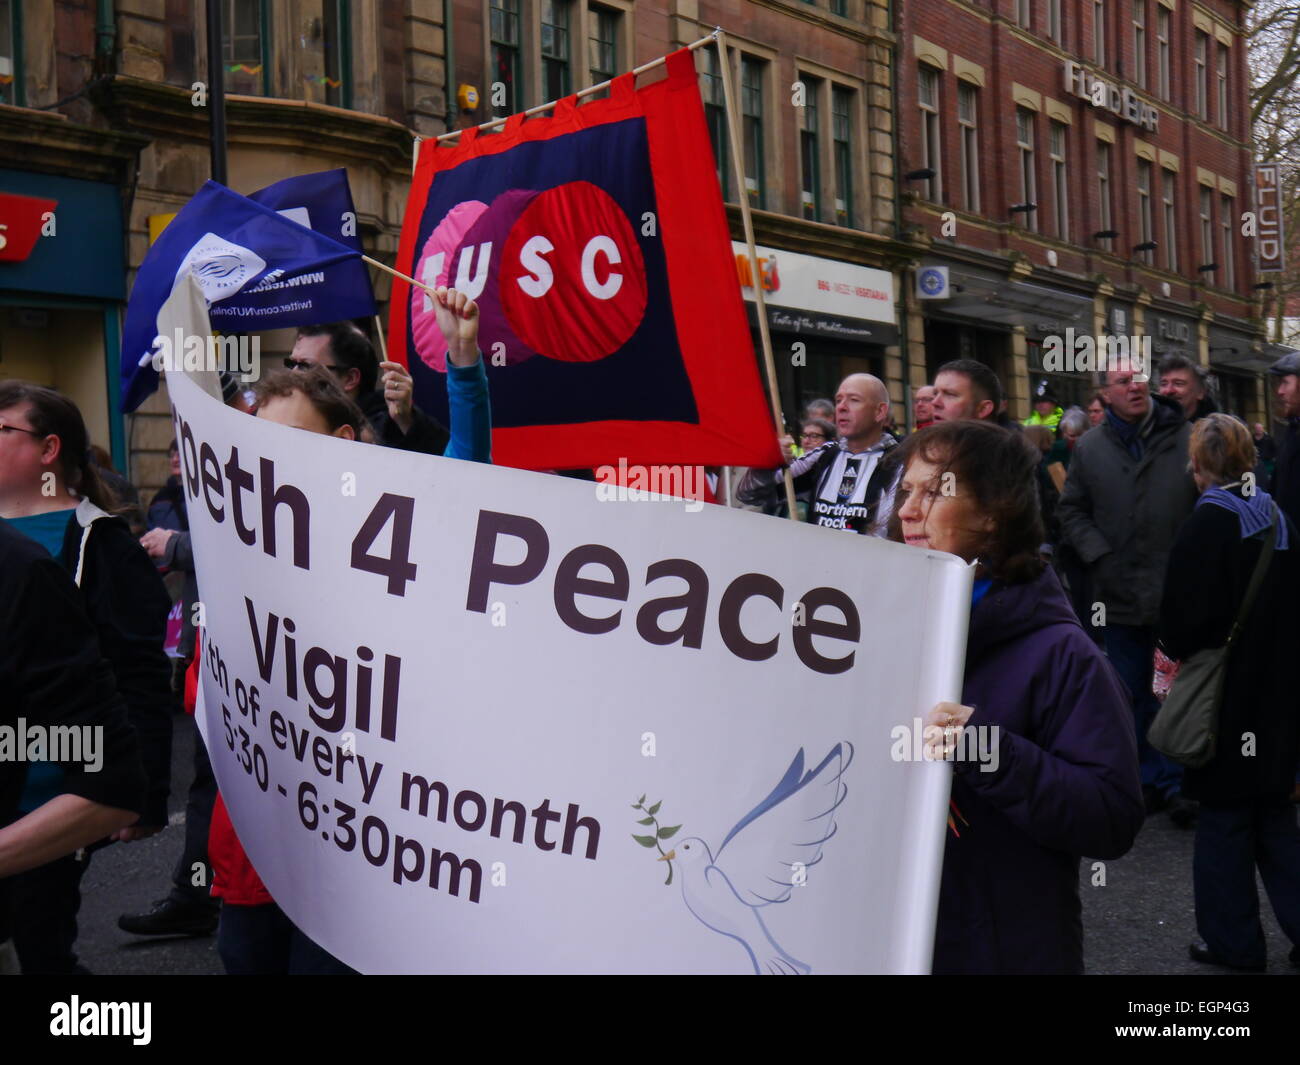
{"points": [[1257, 578]]}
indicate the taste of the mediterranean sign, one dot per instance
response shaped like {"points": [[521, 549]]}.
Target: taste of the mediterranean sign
{"points": [[1125, 103]]}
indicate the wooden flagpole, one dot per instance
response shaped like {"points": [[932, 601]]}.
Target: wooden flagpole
{"points": [[769, 361], [397, 273]]}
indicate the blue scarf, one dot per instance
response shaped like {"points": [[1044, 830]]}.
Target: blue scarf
{"points": [[1129, 433], [1255, 512]]}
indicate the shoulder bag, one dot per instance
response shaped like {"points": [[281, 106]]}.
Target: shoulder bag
{"points": [[1186, 728]]}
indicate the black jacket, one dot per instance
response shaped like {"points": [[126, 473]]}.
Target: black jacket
{"points": [[1209, 569], [1122, 514], [426, 435], [128, 605], [1286, 477], [52, 673]]}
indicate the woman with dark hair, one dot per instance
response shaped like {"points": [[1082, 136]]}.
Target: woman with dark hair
{"points": [[51, 493], [1061, 779], [1246, 818]]}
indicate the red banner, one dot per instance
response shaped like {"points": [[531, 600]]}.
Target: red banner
{"points": [[595, 243], [21, 218]]}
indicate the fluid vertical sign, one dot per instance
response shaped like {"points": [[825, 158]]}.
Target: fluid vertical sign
{"points": [[1268, 207]]}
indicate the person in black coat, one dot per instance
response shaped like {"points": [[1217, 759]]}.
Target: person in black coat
{"points": [[52, 674], [1246, 818], [1286, 476], [1056, 776], [51, 492]]}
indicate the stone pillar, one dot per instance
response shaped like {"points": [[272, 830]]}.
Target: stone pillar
{"points": [[875, 211], [141, 43], [1017, 383], [1139, 328], [426, 68]]}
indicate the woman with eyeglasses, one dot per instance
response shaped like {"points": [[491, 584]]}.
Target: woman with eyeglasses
{"points": [[51, 493], [1057, 772], [815, 432]]}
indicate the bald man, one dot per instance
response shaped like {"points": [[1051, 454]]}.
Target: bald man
{"points": [[844, 480]]}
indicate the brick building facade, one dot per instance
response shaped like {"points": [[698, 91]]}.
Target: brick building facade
{"points": [[97, 103], [1091, 168]]}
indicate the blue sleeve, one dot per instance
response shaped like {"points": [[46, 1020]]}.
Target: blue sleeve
{"points": [[470, 412]]}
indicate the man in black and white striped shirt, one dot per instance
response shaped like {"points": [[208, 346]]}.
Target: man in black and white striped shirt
{"points": [[846, 479]]}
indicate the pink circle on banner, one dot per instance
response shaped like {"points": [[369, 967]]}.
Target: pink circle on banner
{"points": [[433, 271], [572, 275], [482, 279]]}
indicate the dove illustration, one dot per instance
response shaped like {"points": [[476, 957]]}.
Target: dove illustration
{"points": [[763, 858]]}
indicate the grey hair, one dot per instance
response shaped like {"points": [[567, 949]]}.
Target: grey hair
{"points": [[1076, 420]]}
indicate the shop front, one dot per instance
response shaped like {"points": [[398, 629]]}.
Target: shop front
{"points": [[62, 287], [1011, 326], [827, 319], [1238, 362]]}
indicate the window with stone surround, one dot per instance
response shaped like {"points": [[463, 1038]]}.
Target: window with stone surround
{"points": [[245, 46]]}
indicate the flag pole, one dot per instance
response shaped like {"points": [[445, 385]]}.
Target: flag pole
{"points": [[769, 361], [397, 273]]}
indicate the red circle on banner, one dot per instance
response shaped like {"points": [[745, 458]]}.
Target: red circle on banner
{"points": [[573, 280]]}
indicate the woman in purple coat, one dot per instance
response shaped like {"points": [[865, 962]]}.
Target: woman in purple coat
{"points": [[1059, 779]]}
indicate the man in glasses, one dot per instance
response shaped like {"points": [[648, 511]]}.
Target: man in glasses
{"points": [[383, 390]]}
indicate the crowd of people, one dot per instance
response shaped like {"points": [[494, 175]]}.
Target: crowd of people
{"points": [[1109, 541], [1105, 538]]}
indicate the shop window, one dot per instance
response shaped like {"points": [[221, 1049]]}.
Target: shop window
{"points": [[1202, 74], [1227, 260], [1170, 182], [556, 79], [246, 47], [1140, 42], [968, 121], [931, 135], [1146, 223], [11, 82], [603, 46], [751, 116], [1060, 180], [505, 72], [842, 146], [715, 115], [337, 25], [810, 171], [1162, 50]]}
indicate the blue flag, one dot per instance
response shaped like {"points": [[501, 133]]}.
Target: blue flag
{"points": [[322, 202], [258, 269]]}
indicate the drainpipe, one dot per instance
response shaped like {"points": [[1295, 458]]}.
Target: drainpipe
{"points": [[105, 35]]}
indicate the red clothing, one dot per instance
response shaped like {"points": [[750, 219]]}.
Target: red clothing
{"points": [[233, 877]]}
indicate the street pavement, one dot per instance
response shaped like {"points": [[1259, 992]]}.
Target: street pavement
{"points": [[1139, 922]]}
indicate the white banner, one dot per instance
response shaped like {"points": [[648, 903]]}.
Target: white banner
{"points": [[460, 714]]}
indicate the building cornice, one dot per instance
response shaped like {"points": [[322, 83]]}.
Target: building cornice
{"points": [[159, 110], [851, 29], [824, 241], [47, 142]]}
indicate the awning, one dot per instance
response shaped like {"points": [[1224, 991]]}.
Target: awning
{"points": [[1039, 309]]}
